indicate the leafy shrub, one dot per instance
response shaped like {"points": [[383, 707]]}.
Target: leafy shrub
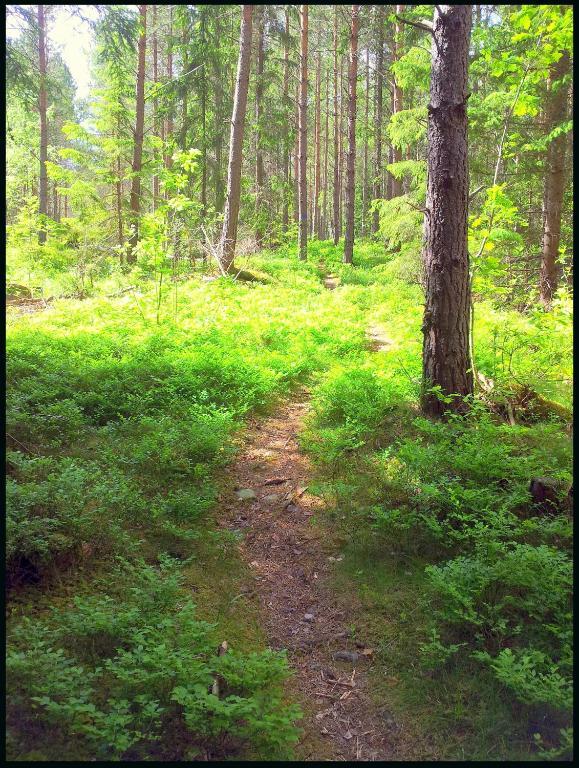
{"points": [[115, 676]]}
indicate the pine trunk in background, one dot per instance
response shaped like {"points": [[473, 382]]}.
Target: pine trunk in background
{"points": [[169, 122], [259, 86], [554, 184], [324, 224], [365, 164], [445, 356], [155, 101], [341, 151], [336, 210], [231, 215], [296, 155], [286, 145], [218, 126], [138, 141], [378, 114], [351, 160], [397, 97], [317, 142], [203, 117], [302, 128], [42, 108]]}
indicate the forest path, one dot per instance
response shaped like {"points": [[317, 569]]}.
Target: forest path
{"points": [[292, 558]]}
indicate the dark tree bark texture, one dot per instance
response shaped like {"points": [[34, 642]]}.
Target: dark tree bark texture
{"points": [[446, 362]]}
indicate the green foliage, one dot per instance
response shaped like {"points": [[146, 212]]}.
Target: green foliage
{"points": [[133, 666]]}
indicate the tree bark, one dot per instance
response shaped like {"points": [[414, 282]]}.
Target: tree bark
{"points": [[365, 162], [138, 141], [259, 87], [218, 125], [324, 224], [303, 194], [446, 362], [42, 109], [351, 160], [156, 188], [286, 146], [378, 115], [337, 232], [554, 183], [169, 122], [397, 98], [229, 233], [317, 144]]}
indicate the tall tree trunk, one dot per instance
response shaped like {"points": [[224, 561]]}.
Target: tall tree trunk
{"points": [[341, 152], [324, 225], [169, 121], [445, 356], [42, 108], [317, 143], [397, 97], [203, 120], [259, 87], [138, 141], [218, 125], [351, 161], [286, 146], [337, 232], [365, 163], [378, 114], [554, 184], [303, 193], [296, 156], [155, 101], [229, 233]]}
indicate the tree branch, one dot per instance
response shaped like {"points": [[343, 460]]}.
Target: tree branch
{"points": [[427, 26]]}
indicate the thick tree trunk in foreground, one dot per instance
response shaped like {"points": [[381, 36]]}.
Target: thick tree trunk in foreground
{"points": [[138, 142], [336, 208], [554, 185], [351, 161], [445, 357], [42, 107], [378, 115], [302, 128], [229, 232]]}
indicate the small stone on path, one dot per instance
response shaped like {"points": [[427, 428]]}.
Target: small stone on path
{"points": [[309, 617], [350, 656], [245, 493]]}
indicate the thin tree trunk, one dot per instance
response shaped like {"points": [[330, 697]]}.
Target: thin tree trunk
{"points": [[259, 87], [337, 232], [446, 359], [365, 162], [218, 126], [229, 233], [169, 123], [554, 184], [138, 141], [42, 108], [286, 147], [296, 156], [378, 115], [351, 161], [156, 188], [317, 142], [341, 152], [324, 225], [303, 194], [203, 123], [397, 97]]}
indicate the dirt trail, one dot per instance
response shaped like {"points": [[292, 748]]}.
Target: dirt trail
{"points": [[292, 562]]}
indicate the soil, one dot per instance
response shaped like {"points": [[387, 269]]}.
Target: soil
{"points": [[292, 558]]}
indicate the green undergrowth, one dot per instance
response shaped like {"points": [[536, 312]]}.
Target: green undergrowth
{"points": [[121, 416], [465, 584]]}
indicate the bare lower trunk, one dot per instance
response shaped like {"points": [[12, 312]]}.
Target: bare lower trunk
{"points": [[351, 161], [229, 233], [156, 188], [317, 143], [337, 232], [446, 363], [138, 141], [378, 115], [303, 194], [42, 108], [324, 224], [397, 98], [554, 184], [365, 164], [286, 147], [259, 86]]}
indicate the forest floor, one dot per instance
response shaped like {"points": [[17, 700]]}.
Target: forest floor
{"points": [[292, 558]]}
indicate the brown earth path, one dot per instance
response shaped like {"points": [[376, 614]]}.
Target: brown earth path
{"points": [[292, 562]]}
